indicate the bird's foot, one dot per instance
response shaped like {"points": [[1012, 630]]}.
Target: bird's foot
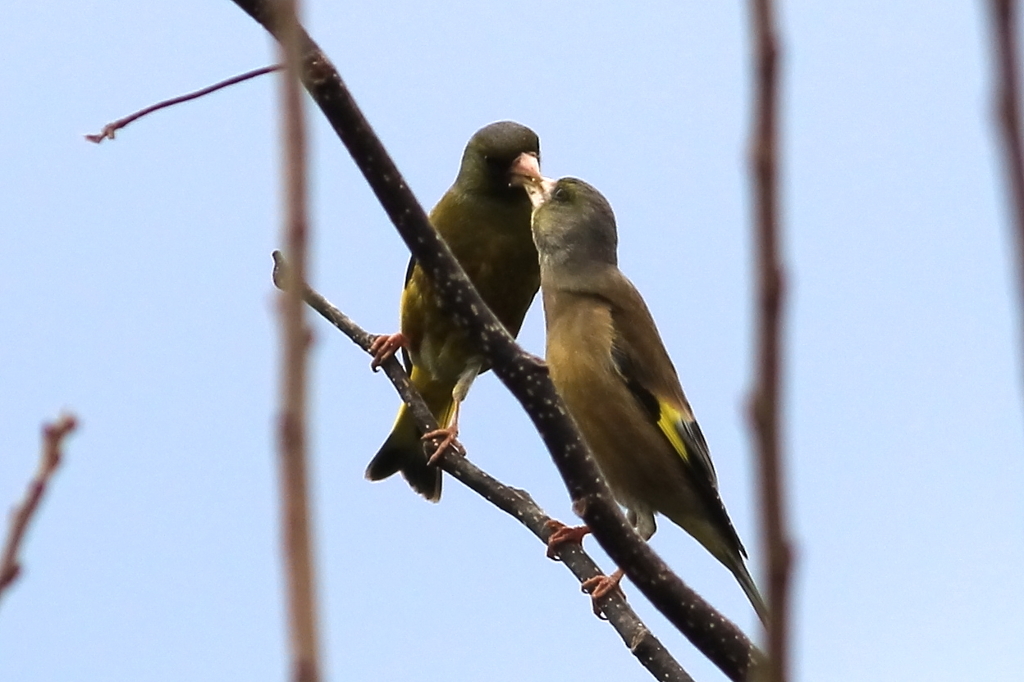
{"points": [[562, 534], [446, 437], [384, 346], [600, 587]]}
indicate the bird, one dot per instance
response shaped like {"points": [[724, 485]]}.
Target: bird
{"points": [[609, 365], [484, 218]]}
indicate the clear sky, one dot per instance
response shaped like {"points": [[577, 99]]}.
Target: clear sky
{"points": [[135, 290]]}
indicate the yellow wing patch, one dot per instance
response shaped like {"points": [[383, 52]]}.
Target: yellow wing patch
{"points": [[668, 418]]}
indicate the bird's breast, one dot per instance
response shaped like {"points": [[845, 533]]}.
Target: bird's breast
{"points": [[634, 456]]}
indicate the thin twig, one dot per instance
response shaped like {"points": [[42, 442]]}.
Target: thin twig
{"points": [[712, 633], [1007, 107], [49, 459], [295, 513], [648, 650], [765, 399], [111, 128]]}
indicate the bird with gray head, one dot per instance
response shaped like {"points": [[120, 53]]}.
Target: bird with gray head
{"points": [[608, 363]]}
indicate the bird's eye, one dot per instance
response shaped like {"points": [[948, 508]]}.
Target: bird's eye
{"points": [[560, 194]]}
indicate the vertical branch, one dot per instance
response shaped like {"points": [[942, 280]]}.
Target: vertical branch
{"points": [[765, 401], [295, 514], [1007, 104]]}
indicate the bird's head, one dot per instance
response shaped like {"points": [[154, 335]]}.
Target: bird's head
{"points": [[498, 159], [573, 224]]}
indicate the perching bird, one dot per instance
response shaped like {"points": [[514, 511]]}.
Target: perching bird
{"points": [[608, 363], [485, 220]]}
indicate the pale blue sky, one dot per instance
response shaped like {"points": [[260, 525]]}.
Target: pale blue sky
{"points": [[136, 291]]}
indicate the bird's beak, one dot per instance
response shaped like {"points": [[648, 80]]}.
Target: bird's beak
{"points": [[539, 190], [525, 169]]}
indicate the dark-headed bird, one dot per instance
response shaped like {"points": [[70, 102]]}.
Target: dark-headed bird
{"points": [[608, 363], [485, 220]]}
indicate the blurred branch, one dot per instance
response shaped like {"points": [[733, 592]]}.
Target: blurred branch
{"points": [[648, 650], [765, 400], [53, 439], [111, 128], [1007, 102], [297, 543], [714, 635]]}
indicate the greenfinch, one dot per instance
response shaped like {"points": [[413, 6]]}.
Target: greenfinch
{"points": [[609, 364], [484, 218]]}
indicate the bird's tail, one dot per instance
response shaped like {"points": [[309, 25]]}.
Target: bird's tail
{"points": [[739, 569], [727, 549], [403, 449]]}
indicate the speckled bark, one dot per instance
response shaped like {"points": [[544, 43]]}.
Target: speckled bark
{"points": [[713, 634]]}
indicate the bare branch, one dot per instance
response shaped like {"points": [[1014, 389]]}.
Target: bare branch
{"points": [[295, 515], [765, 400], [50, 458], [1007, 107], [111, 128], [716, 637], [648, 650]]}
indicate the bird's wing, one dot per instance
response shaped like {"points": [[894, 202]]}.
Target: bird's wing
{"points": [[646, 369], [682, 431]]}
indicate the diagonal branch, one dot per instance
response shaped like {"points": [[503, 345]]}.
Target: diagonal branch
{"points": [[714, 635], [518, 504], [53, 439], [110, 130], [765, 400]]}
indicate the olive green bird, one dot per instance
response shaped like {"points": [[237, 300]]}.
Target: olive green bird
{"points": [[608, 363], [485, 220]]}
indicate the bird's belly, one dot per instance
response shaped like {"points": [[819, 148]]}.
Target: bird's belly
{"points": [[444, 355], [634, 458]]}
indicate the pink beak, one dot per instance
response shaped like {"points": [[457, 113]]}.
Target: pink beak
{"points": [[525, 169]]}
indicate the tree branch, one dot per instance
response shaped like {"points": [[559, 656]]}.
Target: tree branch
{"points": [[297, 546], [1007, 107], [517, 503], [765, 399], [111, 128], [715, 636], [50, 458]]}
